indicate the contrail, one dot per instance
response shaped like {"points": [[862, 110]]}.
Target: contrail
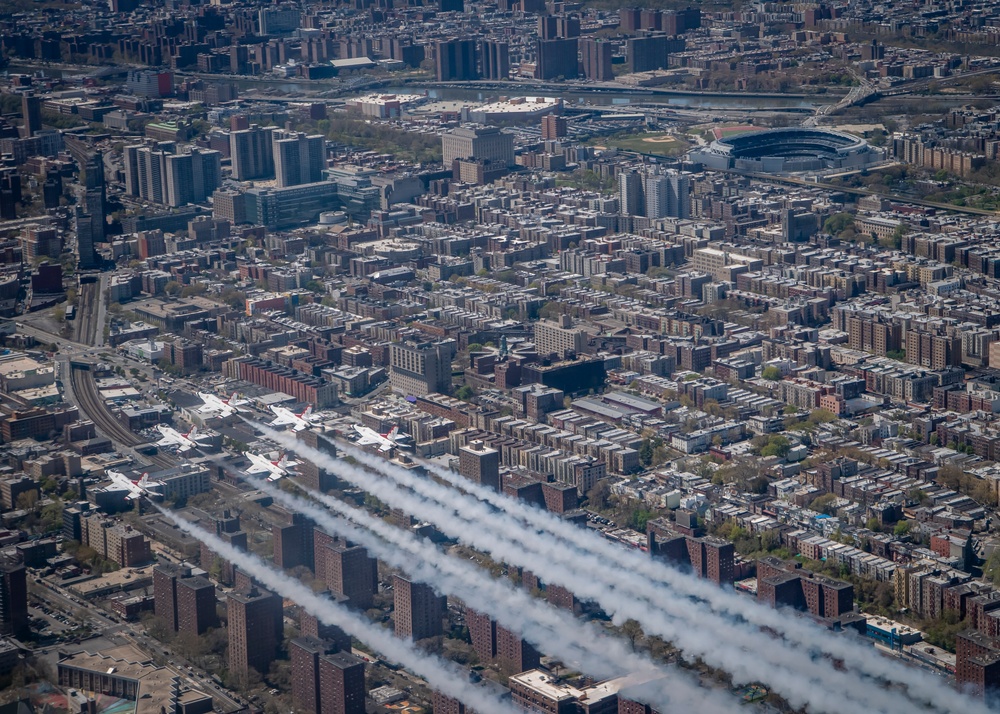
{"points": [[441, 675], [795, 630], [799, 676], [550, 630], [629, 563]]}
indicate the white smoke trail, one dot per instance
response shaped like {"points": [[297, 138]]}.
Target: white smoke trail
{"points": [[794, 630], [439, 674], [550, 630], [797, 675]]}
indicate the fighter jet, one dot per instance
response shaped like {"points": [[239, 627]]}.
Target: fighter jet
{"points": [[370, 437], [287, 416], [136, 489], [223, 407], [274, 469], [183, 442]]}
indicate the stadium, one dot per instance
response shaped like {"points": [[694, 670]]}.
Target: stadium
{"points": [[788, 150]]}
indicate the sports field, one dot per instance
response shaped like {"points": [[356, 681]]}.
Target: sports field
{"points": [[661, 144]]}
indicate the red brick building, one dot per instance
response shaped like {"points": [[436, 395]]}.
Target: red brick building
{"points": [[352, 573], [788, 584], [514, 655], [483, 633], [419, 611], [196, 610], [977, 664]]}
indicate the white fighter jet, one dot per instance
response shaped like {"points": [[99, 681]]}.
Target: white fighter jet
{"points": [[217, 405], [274, 469], [136, 489], [183, 442], [370, 437], [287, 416]]}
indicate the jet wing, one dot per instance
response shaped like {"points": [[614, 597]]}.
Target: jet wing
{"points": [[275, 477], [385, 447], [258, 469]]}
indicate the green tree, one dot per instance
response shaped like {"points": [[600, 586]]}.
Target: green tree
{"points": [[646, 451], [837, 223], [193, 289], [821, 416], [465, 393], [991, 568], [824, 504], [777, 446], [771, 373]]}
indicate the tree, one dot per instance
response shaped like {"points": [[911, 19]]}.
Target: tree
{"points": [[465, 393], [646, 451], [27, 501], [52, 516], [837, 223], [172, 288], [194, 289], [901, 529], [991, 568], [598, 495], [777, 446], [824, 504], [771, 373], [633, 630], [550, 310], [895, 240], [822, 416]]}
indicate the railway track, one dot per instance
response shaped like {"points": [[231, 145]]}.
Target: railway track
{"points": [[86, 312], [85, 390]]}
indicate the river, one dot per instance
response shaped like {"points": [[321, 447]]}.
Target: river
{"points": [[606, 97], [574, 96]]}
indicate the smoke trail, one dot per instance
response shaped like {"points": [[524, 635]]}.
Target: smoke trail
{"points": [[865, 661], [548, 629], [441, 675], [785, 668], [795, 630]]}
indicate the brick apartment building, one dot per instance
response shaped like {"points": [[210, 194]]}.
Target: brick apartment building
{"points": [[255, 630], [351, 572], [419, 611], [782, 583], [325, 678], [710, 558], [977, 665]]}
